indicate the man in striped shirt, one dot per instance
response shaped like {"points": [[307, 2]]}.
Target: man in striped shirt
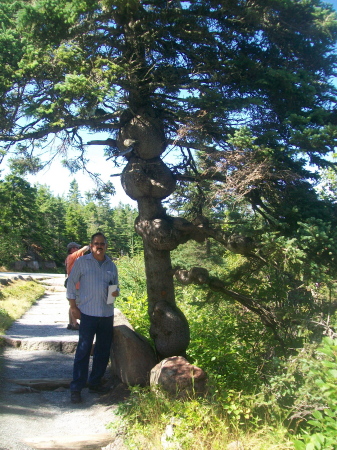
{"points": [[95, 272]]}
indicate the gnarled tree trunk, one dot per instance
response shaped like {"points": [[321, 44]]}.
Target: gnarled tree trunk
{"points": [[148, 180]]}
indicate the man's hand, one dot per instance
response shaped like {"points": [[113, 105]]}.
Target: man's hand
{"points": [[76, 313]]}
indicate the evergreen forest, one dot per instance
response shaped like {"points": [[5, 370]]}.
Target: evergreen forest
{"points": [[38, 225]]}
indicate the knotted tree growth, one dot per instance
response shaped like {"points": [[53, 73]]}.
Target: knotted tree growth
{"points": [[243, 85]]}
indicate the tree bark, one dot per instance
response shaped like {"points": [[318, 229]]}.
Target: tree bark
{"points": [[169, 327], [148, 180]]}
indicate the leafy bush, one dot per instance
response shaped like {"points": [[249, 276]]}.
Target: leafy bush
{"points": [[226, 339], [133, 299], [320, 390]]}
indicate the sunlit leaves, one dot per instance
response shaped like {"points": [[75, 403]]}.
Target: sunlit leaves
{"points": [[49, 20]]}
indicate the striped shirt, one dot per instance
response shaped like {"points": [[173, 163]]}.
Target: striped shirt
{"points": [[94, 283]]}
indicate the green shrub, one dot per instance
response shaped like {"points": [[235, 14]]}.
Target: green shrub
{"points": [[133, 299], [227, 340], [320, 393]]}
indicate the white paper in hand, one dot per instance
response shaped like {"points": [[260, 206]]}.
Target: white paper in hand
{"points": [[112, 288]]}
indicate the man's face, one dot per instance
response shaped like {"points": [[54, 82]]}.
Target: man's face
{"points": [[73, 249], [98, 247]]}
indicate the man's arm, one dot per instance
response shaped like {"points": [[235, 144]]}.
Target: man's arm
{"points": [[73, 279], [72, 257], [82, 251]]}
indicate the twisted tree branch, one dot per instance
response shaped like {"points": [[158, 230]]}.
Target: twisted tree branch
{"points": [[199, 275]]}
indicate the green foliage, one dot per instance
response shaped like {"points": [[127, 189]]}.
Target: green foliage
{"points": [[18, 217], [328, 186], [11, 48], [75, 224], [126, 241], [224, 338], [25, 164], [190, 424], [133, 299], [50, 224], [35, 222], [11, 247], [307, 256], [320, 390], [209, 253], [18, 197]]}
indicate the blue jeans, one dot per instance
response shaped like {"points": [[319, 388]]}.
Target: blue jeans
{"points": [[90, 326]]}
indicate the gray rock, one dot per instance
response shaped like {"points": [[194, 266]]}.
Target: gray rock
{"points": [[132, 357], [48, 264], [33, 265], [19, 265]]}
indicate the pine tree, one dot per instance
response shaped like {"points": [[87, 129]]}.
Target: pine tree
{"points": [[76, 227]]}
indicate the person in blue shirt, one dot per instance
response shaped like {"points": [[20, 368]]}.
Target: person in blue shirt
{"points": [[95, 272]]}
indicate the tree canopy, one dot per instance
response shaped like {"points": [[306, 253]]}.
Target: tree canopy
{"points": [[243, 88], [198, 69]]}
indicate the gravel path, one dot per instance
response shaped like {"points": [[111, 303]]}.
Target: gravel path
{"points": [[33, 418]]}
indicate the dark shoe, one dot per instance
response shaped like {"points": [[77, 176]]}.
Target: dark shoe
{"points": [[98, 388], [75, 397]]}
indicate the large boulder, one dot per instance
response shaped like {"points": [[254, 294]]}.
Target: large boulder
{"points": [[178, 377], [132, 357]]}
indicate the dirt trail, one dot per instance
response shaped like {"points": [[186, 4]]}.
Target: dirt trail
{"points": [[36, 418]]}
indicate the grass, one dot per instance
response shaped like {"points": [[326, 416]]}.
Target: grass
{"points": [[16, 299], [152, 420]]}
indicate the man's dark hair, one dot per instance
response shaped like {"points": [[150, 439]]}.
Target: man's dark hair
{"points": [[98, 234]]}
